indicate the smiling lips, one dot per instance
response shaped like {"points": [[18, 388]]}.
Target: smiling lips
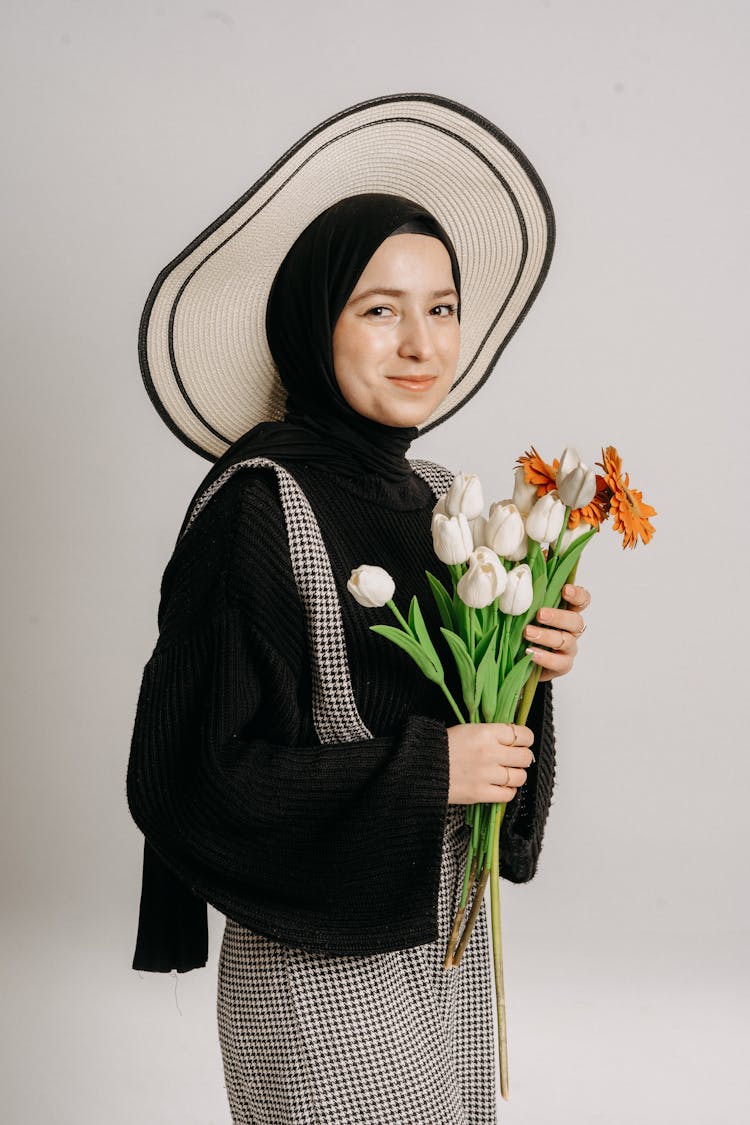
{"points": [[416, 384]]}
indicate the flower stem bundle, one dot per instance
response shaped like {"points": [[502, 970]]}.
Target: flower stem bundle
{"points": [[501, 570]]}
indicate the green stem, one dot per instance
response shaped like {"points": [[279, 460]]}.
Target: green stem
{"points": [[497, 951], [446, 692], [399, 616], [563, 529]]}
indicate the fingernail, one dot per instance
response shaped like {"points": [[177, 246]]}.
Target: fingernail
{"points": [[567, 590], [532, 652]]}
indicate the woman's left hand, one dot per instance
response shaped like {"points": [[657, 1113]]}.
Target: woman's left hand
{"points": [[558, 631]]}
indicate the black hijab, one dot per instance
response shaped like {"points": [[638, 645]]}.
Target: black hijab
{"points": [[310, 289]]}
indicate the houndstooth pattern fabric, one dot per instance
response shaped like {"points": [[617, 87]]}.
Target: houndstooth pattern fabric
{"points": [[335, 713], [389, 1039]]}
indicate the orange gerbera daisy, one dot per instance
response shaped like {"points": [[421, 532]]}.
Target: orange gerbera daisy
{"points": [[629, 510], [538, 472]]}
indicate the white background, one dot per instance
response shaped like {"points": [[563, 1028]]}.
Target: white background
{"points": [[127, 129]]}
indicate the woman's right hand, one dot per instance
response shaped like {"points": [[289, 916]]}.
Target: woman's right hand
{"points": [[479, 754]]}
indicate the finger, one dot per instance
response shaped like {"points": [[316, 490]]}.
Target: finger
{"points": [[557, 662], [514, 757], [498, 794], [512, 734], [565, 620], [578, 596], [560, 640]]}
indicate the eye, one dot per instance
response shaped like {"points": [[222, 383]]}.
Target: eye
{"points": [[452, 309], [376, 308]]}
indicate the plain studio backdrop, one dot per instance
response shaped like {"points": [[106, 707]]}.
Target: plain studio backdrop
{"points": [[128, 129]]}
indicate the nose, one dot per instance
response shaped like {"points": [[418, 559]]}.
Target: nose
{"points": [[415, 338]]}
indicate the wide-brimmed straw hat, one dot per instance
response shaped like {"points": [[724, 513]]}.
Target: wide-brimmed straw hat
{"points": [[203, 350]]}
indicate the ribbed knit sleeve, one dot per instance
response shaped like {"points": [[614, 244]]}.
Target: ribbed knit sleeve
{"points": [[333, 848], [522, 830]]}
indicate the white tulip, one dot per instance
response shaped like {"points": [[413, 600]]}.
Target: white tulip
{"points": [[524, 495], [576, 482], [478, 531], [519, 590], [572, 533], [521, 552], [505, 528], [578, 488], [544, 521], [570, 458], [451, 538], [371, 586], [440, 506], [465, 495], [484, 580]]}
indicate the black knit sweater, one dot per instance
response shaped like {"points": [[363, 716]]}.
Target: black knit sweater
{"points": [[329, 848]]}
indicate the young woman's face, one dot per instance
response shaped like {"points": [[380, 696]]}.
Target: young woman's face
{"points": [[382, 338]]}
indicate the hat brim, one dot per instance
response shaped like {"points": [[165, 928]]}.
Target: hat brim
{"points": [[203, 351]]}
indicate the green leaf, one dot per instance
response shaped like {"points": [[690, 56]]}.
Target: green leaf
{"points": [[461, 614], [519, 623], [408, 644], [577, 545], [416, 621], [487, 677], [443, 601], [507, 700], [465, 665], [483, 645], [562, 570]]}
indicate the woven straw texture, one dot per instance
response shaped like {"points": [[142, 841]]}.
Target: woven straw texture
{"points": [[203, 350]]}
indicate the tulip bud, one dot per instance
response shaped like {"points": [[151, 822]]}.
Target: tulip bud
{"points": [[524, 494], [465, 495], [478, 531], [484, 580], [578, 488], [521, 552], [570, 458], [451, 538], [371, 586], [544, 521], [519, 591], [440, 506], [505, 529], [576, 483]]}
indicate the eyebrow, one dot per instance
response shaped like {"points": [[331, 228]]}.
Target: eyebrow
{"points": [[402, 293]]}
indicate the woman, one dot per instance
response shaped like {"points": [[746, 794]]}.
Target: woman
{"points": [[291, 767]]}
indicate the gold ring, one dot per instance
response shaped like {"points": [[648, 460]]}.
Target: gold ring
{"points": [[515, 737]]}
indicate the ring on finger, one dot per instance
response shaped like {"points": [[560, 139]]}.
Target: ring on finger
{"points": [[506, 783]]}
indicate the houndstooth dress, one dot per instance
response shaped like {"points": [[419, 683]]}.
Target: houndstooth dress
{"points": [[388, 1039]]}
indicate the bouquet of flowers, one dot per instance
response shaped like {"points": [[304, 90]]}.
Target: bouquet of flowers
{"points": [[504, 567]]}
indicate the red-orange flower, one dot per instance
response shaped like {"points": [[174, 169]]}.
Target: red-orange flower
{"points": [[629, 510], [538, 472]]}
